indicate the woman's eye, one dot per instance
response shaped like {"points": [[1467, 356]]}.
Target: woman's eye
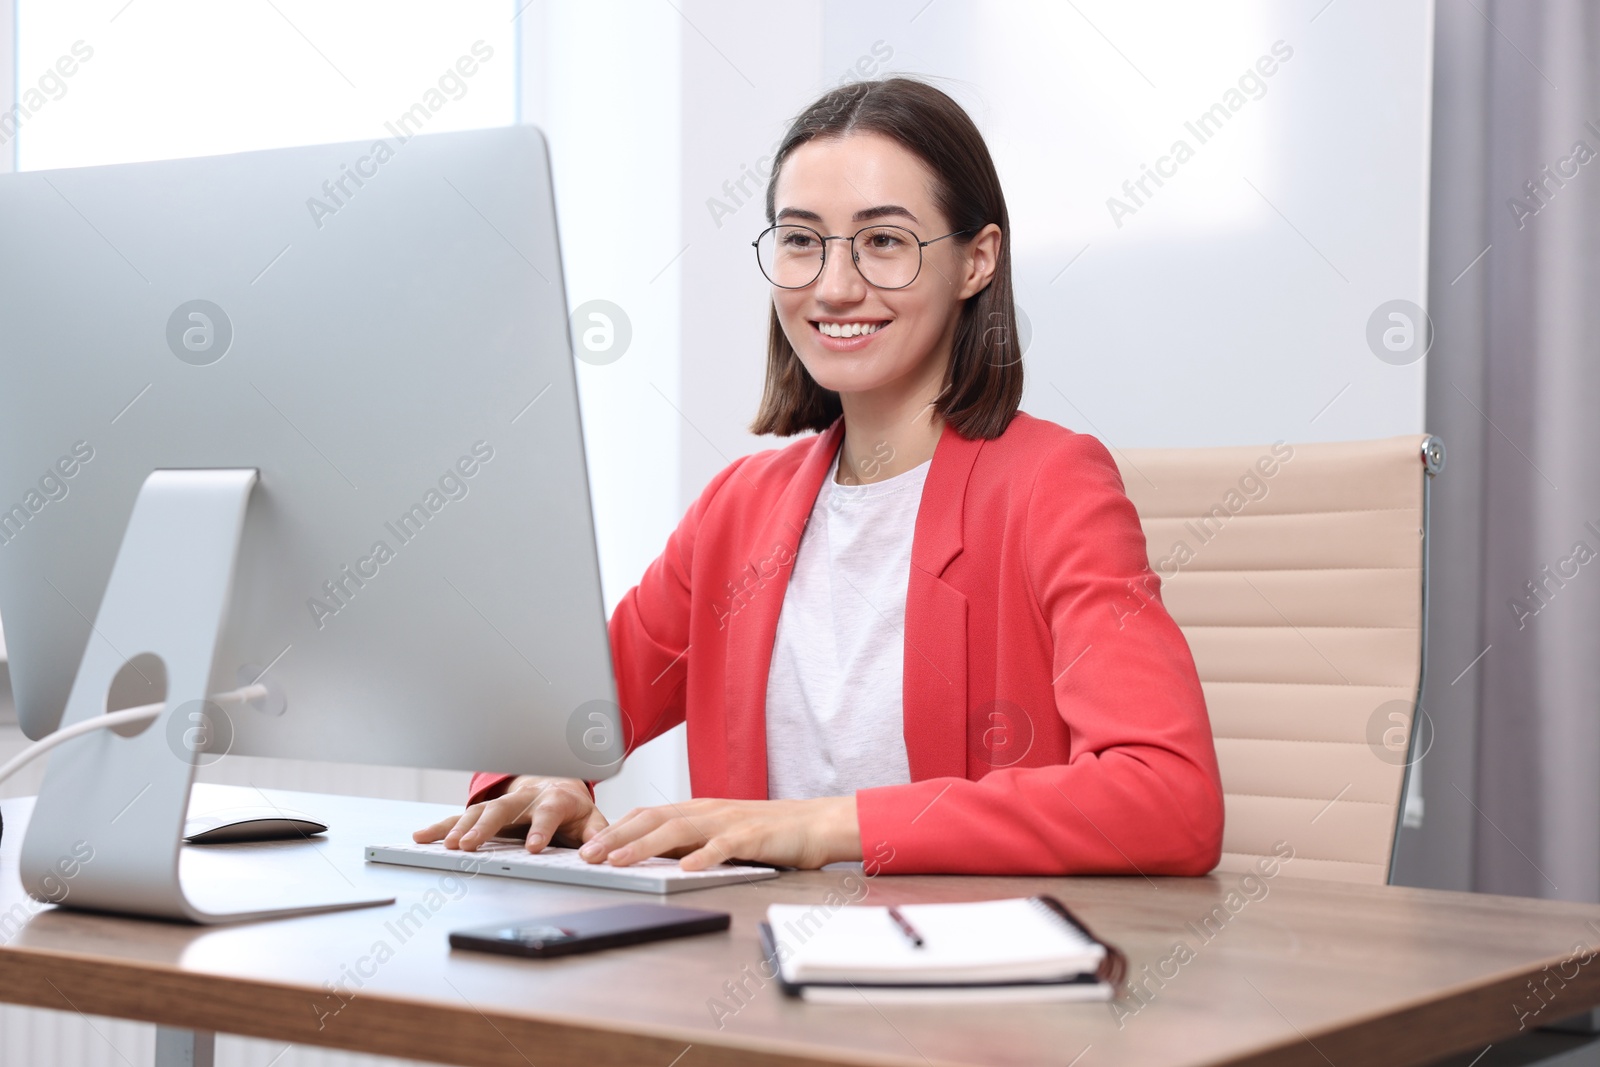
{"points": [[798, 241]]}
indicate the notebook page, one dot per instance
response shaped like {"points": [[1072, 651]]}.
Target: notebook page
{"points": [[992, 940]]}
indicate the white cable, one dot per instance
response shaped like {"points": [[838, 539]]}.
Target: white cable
{"points": [[111, 720]]}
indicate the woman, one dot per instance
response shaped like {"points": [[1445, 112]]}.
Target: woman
{"points": [[950, 656]]}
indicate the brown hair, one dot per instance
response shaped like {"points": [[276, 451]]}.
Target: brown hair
{"points": [[983, 382]]}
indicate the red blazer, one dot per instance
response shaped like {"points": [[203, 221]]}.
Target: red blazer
{"points": [[1054, 722]]}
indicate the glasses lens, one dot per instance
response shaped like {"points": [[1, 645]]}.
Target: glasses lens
{"points": [[790, 256], [887, 255]]}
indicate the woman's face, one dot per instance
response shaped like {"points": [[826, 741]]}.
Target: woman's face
{"points": [[838, 186]]}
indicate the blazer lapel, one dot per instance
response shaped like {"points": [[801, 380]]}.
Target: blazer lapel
{"points": [[753, 630], [934, 678]]}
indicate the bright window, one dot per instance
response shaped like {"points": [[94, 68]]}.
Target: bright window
{"points": [[115, 81]]}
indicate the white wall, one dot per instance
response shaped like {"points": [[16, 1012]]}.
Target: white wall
{"points": [[175, 78], [8, 73], [8, 54], [1231, 308], [611, 110], [10, 738], [754, 69]]}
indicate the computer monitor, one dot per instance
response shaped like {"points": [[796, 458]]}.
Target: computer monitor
{"points": [[337, 382]]}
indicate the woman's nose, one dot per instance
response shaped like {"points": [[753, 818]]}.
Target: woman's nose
{"points": [[841, 282]]}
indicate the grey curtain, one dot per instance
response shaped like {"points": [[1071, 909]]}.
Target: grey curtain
{"points": [[1511, 783]]}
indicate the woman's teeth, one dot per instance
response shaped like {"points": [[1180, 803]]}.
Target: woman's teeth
{"points": [[849, 329]]}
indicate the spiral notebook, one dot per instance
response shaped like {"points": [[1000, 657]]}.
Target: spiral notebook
{"points": [[1021, 948]]}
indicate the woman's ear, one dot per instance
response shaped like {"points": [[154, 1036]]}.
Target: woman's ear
{"points": [[982, 258]]}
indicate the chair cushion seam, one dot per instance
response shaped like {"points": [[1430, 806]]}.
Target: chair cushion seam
{"points": [[1320, 685], [1203, 516], [1288, 626], [1288, 570], [1296, 740], [1285, 796]]}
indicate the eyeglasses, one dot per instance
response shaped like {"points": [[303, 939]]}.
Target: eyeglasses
{"points": [[888, 257]]}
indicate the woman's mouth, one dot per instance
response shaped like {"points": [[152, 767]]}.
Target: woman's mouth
{"points": [[849, 336]]}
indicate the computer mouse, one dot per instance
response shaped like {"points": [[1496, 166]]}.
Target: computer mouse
{"points": [[264, 823]]}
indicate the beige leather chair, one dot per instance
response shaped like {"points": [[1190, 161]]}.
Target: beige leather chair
{"points": [[1298, 573]]}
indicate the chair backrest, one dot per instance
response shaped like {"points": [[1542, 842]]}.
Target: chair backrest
{"points": [[1298, 575]]}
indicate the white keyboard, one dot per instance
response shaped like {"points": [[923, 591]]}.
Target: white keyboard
{"points": [[511, 859]]}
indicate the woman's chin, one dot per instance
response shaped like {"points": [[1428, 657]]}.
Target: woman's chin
{"points": [[844, 384], [830, 375]]}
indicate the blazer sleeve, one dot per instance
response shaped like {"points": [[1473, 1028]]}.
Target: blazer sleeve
{"points": [[1140, 792], [649, 635]]}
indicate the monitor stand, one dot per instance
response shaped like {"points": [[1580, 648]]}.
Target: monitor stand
{"points": [[106, 831]]}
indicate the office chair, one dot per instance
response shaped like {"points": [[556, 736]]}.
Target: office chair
{"points": [[1298, 574]]}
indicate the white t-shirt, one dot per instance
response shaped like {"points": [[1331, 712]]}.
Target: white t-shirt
{"points": [[835, 720]]}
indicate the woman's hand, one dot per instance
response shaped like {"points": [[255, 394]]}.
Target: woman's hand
{"points": [[705, 832], [557, 811]]}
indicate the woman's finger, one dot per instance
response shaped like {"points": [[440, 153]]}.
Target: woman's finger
{"points": [[549, 814], [630, 827], [489, 819], [707, 855], [434, 831], [464, 822], [672, 835], [484, 820], [592, 825]]}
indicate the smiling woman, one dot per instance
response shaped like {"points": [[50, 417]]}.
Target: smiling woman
{"points": [[914, 144], [933, 671]]}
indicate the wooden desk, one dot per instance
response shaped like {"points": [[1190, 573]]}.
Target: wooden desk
{"points": [[1307, 973]]}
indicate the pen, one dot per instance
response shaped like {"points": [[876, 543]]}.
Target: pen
{"points": [[905, 927]]}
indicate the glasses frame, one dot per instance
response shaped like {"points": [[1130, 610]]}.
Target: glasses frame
{"points": [[855, 257]]}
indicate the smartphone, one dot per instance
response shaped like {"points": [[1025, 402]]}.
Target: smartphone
{"points": [[588, 931]]}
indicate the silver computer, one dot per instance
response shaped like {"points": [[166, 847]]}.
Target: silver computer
{"points": [[303, 421]]}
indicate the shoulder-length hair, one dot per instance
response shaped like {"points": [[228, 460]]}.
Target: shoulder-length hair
{"points": [[983, 381]]}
